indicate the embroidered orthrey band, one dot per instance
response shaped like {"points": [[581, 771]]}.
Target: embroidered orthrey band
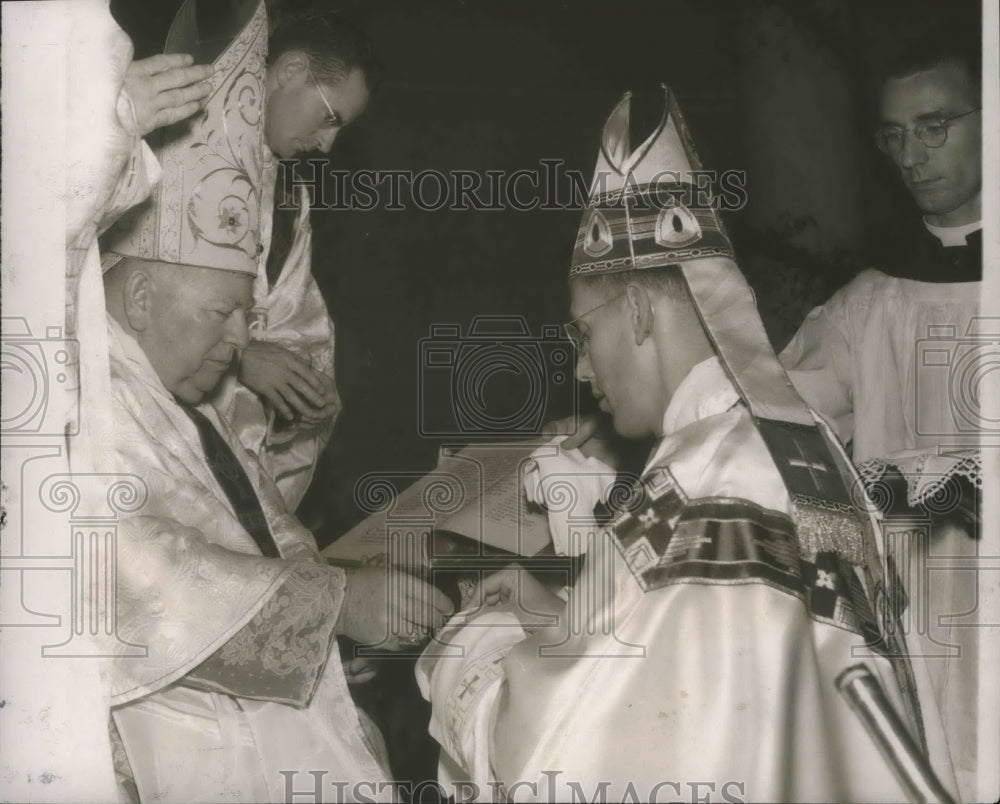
{"points": [[731, 541], [824, 507]]}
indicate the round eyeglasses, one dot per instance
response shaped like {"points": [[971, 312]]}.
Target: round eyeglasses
{"points": [[932, 133], [579, 338]]}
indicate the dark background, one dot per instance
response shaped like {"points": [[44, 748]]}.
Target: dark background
{"points": [[780, 89]]}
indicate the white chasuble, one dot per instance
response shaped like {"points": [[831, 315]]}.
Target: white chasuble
{"points": [[697, 655]]}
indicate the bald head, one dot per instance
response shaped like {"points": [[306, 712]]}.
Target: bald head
{"points": [[190, 322]]}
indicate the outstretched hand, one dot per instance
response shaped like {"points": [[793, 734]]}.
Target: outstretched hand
{"points": [[166, 88], [295, 389], [390, 608]]}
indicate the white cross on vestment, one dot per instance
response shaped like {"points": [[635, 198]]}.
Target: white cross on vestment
{"points": [[649, 518], [827, 579], [802, 462]]}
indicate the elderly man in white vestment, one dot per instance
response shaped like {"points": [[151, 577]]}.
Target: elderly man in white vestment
{"points": [[241, 695], [897, 357], [696, 655], [282, 400]]}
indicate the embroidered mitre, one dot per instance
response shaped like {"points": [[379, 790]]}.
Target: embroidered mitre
{"points": [[206, 209], [647, 206]]}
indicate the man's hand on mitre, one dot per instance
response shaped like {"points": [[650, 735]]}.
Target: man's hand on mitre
{"points": [[166, 88]]}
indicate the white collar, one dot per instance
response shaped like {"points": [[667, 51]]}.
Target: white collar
{"points": [[953, 235], [705, 391]]}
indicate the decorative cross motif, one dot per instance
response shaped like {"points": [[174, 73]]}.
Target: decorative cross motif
{"points": [[468, 686], [803, 462], [649, 518], [827, 579]]}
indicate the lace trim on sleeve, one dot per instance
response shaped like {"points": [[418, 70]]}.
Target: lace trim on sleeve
{"points": [[926, 475], [281, 653]]}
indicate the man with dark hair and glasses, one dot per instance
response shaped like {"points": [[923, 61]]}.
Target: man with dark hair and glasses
{"points": [[895, 360], [321, 71], [930, 127]]}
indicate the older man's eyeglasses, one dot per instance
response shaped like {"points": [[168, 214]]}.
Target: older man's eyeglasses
{"points": [[332, 119], [580, 338], [932, 133]]}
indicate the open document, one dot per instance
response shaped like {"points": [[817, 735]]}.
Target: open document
{"points": [[471, 504]]}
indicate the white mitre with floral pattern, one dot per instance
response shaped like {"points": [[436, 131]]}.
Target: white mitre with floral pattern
{"points": [[206, 209]]}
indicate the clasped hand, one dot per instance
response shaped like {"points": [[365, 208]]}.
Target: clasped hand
{"points": [[295, 389], [390, 608]]}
